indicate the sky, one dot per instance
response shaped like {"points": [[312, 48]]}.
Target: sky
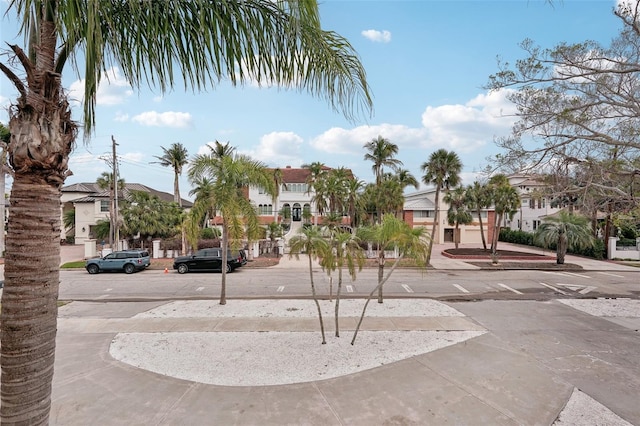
{"points": [[427, 62]]}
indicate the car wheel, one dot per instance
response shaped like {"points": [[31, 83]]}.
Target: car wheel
{"points": [[129, 268], [229, 270], [93, 269], [183, 268]]}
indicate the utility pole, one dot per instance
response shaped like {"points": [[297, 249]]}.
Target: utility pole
{"points": [[114, 213]]}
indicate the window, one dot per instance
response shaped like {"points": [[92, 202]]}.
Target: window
{"points": [[540, 203], [532, 203], [483, 214], [264, 209], [104, 206], [295, 187], [422, 213], [536, 224], [544, 203]]}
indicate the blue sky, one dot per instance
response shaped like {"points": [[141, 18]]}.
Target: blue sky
{"points": [[426, 62]]}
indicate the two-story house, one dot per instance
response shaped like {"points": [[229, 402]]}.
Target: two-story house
{"points": [[420, 209], [92, 204], [535, 203]]}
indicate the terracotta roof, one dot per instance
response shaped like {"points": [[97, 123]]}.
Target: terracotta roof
{"points": [[299, 175]]}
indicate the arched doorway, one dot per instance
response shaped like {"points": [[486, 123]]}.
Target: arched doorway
{"points": [[296, 212]]}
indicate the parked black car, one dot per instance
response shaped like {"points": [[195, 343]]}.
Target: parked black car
{"points": [[128, 261], [209, 259]]}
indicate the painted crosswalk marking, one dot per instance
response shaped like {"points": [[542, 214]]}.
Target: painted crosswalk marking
{"points": [[462, 289], [407, 288], [509, 288], [557, 290], [349, 288], [199, 288], [582, 289], [280, 289]]}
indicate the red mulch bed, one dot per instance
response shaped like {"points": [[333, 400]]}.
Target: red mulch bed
{"points": [[478, 253], [509, 259]]}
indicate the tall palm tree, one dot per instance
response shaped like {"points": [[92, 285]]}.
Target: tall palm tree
{"points": [[346, 253], [314, 183], [231, 175], [381, 153], [176, 157], [311, 241], [406, 178], [410, 242], [457, 214], [281, 43], [442, 169], [506, 202], [478, 199], [567, 231], [277, 182], [354, 200]]}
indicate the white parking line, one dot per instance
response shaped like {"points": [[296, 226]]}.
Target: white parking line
{"points": [[349, 288], [611, 275], [553, 288], [199, 288], [578, 275], [280, 289], [109, 289], [407, 288], [587, 289], [509, 288], [555, 273], [462, 289]]}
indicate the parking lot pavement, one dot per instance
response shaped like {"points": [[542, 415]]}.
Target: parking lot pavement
{"points": [[526, 369]]}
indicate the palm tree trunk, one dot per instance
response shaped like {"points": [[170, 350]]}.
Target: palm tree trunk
{"points": [[380, 284], [29, 301], [561, 250], [381, 261], [176, 189], [484, 241], [315, 299], [223, 267], [435, 223], [337, 309]]}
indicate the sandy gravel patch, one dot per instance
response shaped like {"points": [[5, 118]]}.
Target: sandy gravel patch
{"points": [[272, 358], [582, 410], [627, 308], [299, 308]]}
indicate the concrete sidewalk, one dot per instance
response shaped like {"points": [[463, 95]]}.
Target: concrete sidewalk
{"points": [[522, 372]]}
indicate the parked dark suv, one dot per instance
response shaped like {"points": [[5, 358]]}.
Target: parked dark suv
{"points": [[209, 259], [128, 261]]}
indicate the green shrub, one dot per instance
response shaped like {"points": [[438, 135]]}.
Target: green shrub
{"points": [[209, 233], [516, 237]]}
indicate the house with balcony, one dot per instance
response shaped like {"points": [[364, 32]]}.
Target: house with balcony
{"points": [[420, 209], [92, 204], [535, 203]]}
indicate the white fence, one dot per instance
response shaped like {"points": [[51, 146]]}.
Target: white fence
{"points": [[622, 252]]}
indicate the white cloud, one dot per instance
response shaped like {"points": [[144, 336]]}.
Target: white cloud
{"points": [[350, 141], [164, 119], [112, 90], [464, 128], [461, 128], [377, 36], [279, 148]]}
